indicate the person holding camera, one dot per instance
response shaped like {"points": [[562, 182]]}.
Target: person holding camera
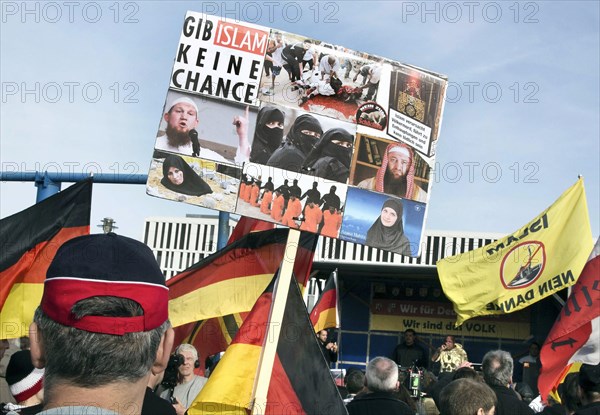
{"points": [[189, 384]]}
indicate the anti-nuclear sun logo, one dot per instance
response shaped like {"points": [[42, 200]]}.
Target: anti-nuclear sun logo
{"points": [[523, 264]]}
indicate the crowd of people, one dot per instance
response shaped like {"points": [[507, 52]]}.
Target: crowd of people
{"points": [[380, 389], [101, 343]]}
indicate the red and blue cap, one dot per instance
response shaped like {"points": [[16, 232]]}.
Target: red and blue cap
{"points": [[105, 265]]}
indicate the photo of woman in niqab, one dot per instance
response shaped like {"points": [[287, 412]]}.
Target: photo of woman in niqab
{"points": [[387, 232], [300, 140], [179, 177], [330, 159], [268, 134]]}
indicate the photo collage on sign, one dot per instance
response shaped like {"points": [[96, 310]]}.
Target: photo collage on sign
{"points": [[291, 130]]}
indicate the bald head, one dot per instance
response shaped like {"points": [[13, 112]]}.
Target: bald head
{"points": [[382, 375]]}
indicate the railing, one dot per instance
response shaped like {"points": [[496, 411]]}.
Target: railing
{"points": [[435, 246], [180, 242]]}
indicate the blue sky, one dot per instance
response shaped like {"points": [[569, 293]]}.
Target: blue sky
{"points": [[521, 120]]}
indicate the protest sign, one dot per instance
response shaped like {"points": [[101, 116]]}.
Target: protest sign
{"points": [[353, 134]]}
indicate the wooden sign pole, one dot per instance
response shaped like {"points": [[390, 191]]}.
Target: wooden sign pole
{"points": [[267, 359]]}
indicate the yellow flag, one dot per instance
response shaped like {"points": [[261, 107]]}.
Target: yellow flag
{"points": [[541, 258]]}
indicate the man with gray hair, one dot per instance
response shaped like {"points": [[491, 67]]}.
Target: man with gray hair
{"points": [[102, 326], [382, 383], [189, 384], [497, 367]]}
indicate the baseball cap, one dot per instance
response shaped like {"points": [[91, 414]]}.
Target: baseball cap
{"points": [[105, 265]]}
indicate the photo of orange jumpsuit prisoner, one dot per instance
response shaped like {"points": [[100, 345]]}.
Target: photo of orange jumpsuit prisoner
{"points": [[294, 209], [312, 218], [332, 223], [277, 207], [266, 202]]}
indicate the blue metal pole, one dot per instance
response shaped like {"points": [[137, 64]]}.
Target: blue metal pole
{"points": [[48, 183], [73, 177], [46, 187], [223, 231]]}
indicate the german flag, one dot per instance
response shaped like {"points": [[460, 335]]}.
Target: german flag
{"points": [[229, 388], [213, 335], [300, 381], [30, 240], [575, 336], [248, 225], [324, 314], [230, 280]]}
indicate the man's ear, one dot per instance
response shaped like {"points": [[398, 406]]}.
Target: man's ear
{"points": [[164, 351], [38, 358], [397, 385]]}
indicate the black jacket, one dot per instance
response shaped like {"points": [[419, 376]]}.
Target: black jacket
{"points": [[509, 403], [155, 405], [589, 409], [378, 403]]}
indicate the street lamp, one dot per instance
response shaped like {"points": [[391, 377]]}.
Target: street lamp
{"points": [[108, 225]]}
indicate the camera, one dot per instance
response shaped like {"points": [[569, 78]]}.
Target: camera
{"points": [[170, 378]]}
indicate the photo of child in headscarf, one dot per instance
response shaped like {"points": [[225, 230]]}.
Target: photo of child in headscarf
{"points": [[387, 232], [193, 180]]}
